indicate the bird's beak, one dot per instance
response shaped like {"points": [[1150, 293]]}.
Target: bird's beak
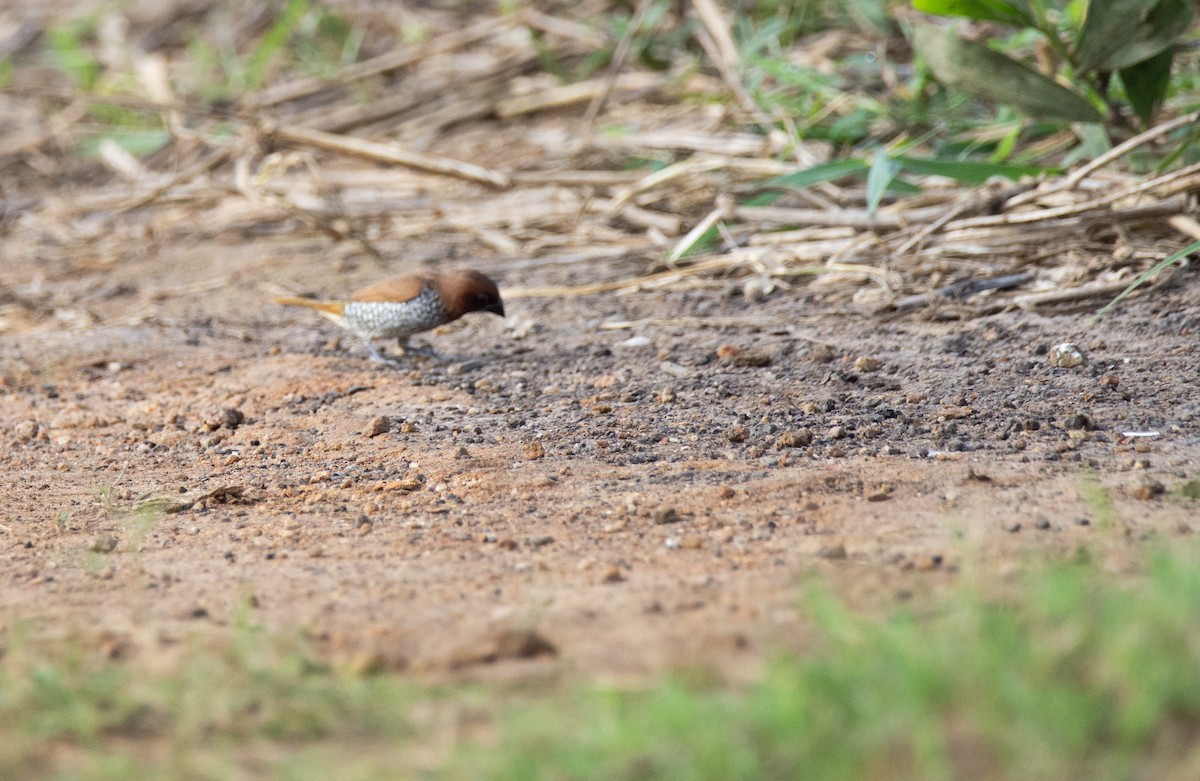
{"points": [[496, 308]]}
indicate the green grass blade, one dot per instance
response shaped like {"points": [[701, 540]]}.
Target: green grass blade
{"points": [[825, 172], [883, 171], [969, 172], [273, 41], [1148, 275], [1016, 13]]}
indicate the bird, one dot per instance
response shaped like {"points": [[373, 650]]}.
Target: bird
{"points": [[399, 307]]}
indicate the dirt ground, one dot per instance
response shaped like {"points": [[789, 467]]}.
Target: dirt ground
{"points": [[552, 495]]}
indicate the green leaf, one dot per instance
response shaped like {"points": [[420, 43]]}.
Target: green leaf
{"points": [[1006, 143], [883, 171], [1012, 12], [902, 187], [1146, 84], [825, 172], [1109, 25], [1093, 142], [969, 172], [1168, 22], [978, 70]]}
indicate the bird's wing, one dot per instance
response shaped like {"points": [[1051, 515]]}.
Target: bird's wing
{"points": [[396, 289]]}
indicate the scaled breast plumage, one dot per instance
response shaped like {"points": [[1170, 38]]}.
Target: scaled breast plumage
{"points": [[392, 319]]}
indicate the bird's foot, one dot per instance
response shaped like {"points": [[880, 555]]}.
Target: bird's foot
{"points": [[379, 357], [424, 352], [405, 350]]}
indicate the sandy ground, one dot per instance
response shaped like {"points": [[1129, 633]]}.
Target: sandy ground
{"points": [[179, 454]]}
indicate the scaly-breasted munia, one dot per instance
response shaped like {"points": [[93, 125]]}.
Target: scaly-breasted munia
{"points": [[402, 306]]}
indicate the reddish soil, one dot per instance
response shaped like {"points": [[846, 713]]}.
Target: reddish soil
{"points": [[550, 490]]}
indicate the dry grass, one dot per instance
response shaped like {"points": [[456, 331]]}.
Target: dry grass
{"points": [[464, 138]]}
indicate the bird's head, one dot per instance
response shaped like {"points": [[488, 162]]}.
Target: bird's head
{"points": [[463, 292]]}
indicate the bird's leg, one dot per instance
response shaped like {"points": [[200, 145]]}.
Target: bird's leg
{"points": [[406, 348], [380, 357]]}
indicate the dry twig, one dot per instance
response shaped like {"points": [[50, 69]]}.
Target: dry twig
{"points": [[388, 153]]}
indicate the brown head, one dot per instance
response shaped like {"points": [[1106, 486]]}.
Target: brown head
{"points": [[463, 292]]}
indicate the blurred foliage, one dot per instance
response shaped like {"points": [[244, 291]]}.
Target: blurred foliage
{"points": [[1083, 44]]}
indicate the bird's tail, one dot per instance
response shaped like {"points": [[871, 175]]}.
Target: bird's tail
{"points": [[331, 308]]}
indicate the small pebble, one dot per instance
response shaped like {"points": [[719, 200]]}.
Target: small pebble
{"points": [[105, 544], [1081, 421], [821, 353], [737, 433], [674, 369], [1147, 488], [867, 363], [796, 438], [928, 563], [380, 425], [1066, 356], [520, 644], [366, 663], [666, 515], [752, 359], [837, 551], [757, 289], [231, 417], [465, 366]]}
